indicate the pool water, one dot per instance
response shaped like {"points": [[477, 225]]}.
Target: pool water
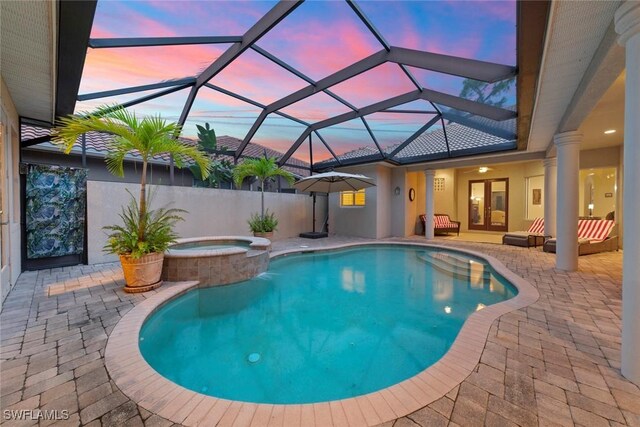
{"points": [[321, 326]]}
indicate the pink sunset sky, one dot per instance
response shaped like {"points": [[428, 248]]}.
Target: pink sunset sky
{"points": [[318, 38]]}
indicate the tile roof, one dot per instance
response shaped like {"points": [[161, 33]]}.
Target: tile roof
{"points": [[432, 141], [98, 143]]}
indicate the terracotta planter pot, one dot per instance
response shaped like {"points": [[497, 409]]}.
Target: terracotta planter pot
{"points": [[266, 235], [142, 274]]}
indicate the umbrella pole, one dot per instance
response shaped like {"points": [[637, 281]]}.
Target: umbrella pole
{"points": [[314, 212], [327, 217]]}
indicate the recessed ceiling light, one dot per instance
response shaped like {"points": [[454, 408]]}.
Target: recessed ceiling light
{"points": [[610, 131], [483, 169]]}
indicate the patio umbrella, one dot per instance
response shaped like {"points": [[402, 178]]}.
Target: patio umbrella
{"points": [[330, 182]]}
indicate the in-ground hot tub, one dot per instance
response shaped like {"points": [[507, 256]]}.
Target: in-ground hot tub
{"points": [[216, 260]]}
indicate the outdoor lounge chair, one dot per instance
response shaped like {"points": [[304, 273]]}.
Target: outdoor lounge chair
{"points": [[441, 224], [594, 235], [534, 236]]}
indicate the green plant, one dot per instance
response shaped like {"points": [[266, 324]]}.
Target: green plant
{"points": [[221, 170], [263, 168], [157, 228], [263, 223], [486, 93], [146, 137]]}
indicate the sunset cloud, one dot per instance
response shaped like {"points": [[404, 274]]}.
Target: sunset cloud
{"points": [[257, 78], [382, 82], [316, 108]]}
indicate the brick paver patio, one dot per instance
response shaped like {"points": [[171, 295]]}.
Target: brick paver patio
{"points": [[553, 363]]}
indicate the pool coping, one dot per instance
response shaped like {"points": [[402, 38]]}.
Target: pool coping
{"points": [[255, 244], [146, 387]]}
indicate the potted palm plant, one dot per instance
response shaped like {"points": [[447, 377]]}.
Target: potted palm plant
{"points": [[145, 234], [264, 169]]}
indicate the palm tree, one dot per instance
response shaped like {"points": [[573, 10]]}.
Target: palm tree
{"points": [[263, 168], [486, 93], [146, 137]]}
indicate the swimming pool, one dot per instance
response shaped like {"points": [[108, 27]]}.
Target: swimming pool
{"points": [[321, 326]]}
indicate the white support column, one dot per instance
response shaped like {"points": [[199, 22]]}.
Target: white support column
{"points": [[550, 185], [428, 228], [627, 22], [568, 147]]}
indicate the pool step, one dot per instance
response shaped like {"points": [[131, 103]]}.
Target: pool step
{"points": [[454, 265]]}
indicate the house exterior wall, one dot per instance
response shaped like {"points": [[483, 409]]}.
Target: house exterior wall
{"points": [[384, 193], [445, 201], [372, 220], [399, 212], [210, 211], [10, 244], [415, 207], [97, 171], [517, 174]]}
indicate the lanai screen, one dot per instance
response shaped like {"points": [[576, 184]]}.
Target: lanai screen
{"points": [[327, 82]]}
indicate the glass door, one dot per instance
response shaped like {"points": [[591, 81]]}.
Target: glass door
{"points": [[489, 204], [477, 205]]}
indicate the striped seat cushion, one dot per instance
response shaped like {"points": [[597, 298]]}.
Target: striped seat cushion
{"points": [[537, 227], [440, 221], [594, 230], [443, 221]]}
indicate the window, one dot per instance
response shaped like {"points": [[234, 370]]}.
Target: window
{"points": [[352, 198]]}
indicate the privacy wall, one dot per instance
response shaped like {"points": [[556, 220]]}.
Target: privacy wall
{"points": [[210, 211]]}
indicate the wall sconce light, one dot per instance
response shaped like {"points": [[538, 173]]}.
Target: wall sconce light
{"points": [[396, 191], [590, 209]]}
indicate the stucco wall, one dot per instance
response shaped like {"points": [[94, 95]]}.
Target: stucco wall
{"points": [[10, 189], [210, 211], [516, 172], [97, 171], [415, 180], [445, 201], [384, 192], [364, 221], [398, 205], [600, 157]]}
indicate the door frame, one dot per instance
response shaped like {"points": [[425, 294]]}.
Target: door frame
{"points": [[5, 208], [487, 206]]}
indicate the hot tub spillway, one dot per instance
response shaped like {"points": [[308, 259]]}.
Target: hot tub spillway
{"points": [[217, 260]]}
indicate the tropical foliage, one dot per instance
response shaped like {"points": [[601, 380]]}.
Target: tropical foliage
{"points": [[264, 169], [146, 137], [487, 93], [221, 170], [263, 224], [157, 230]]}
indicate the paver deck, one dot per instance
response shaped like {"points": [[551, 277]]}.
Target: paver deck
{"points": [[555, 362]]}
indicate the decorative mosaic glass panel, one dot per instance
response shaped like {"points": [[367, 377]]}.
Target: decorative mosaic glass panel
{"points": [[55, 211]]}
